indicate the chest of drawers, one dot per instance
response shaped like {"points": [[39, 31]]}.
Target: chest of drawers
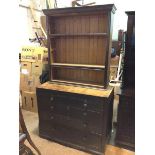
{"points": [[79, 120]]}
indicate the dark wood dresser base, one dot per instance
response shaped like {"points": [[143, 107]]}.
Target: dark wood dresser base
{"points": [[79, 120]]}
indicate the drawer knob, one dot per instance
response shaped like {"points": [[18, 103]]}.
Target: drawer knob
{"points": [[68, 118], [51, 107], [84, 138], [52, 98], [85, 105], [52, 117], [84, 125], [85, 100], [85, 114], [68, 107], [53, 128]]}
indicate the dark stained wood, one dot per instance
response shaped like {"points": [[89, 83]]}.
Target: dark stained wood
{"points": [[129, 59], [81, 39], [78, 34], [76, 10], [99, 67], [125, 136], [108, 53], [75, 116]]}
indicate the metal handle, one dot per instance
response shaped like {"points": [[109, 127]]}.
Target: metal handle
{"points": [[84, 138], [51, 107], [68, 107], [85, 101], [52, 98], [85, 114], [68, 118], [52, 117], [85, 124]]}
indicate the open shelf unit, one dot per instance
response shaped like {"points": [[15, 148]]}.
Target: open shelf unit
{"points": [[80, 41]]}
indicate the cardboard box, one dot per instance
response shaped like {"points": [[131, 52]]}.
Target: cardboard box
{"points": [[114, 61], [113, 73], [34, 54], [29, 101], [27, 54], [38, 68], [41, 55], [23, 82], [26, 68], [25, 73], [29, 83], [33, 82]]}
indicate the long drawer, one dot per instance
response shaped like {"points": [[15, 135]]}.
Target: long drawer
{"points": [[85, 120], [81, 124], [83, 102], [70, 135]]}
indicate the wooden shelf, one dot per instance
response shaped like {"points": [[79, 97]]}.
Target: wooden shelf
{"points": [[76, 83], [114, 66], [81, 66], [78, 34]]}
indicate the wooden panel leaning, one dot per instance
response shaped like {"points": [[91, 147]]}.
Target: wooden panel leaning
{"points": [[80, 36]]}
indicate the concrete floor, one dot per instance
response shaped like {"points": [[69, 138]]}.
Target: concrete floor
{"points": [[50, 148]]}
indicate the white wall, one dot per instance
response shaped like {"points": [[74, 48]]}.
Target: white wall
{"points": [[26, 21]]}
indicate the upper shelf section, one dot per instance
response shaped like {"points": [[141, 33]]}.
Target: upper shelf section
{"points": [[76, 10]]}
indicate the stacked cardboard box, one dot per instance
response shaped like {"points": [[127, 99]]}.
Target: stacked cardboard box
{"points": [[114, 67], [34, 60]]}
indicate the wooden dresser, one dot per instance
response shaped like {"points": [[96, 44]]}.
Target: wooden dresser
{"points": [[75, 116], [75, 106]]}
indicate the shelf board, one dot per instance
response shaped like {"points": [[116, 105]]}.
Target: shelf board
{"points": [[114, 66], [77, 83], [80, 66], [78, 34]]}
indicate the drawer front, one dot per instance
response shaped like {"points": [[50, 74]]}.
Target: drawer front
{"points": [[81, 124], [91, 121], [87, 140], [79, 101], [46, 98]]}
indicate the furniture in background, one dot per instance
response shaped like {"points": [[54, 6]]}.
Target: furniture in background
{"points": [[125, 136]]}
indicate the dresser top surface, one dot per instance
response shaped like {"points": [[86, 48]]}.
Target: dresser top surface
{"points": [[77, 89]]}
